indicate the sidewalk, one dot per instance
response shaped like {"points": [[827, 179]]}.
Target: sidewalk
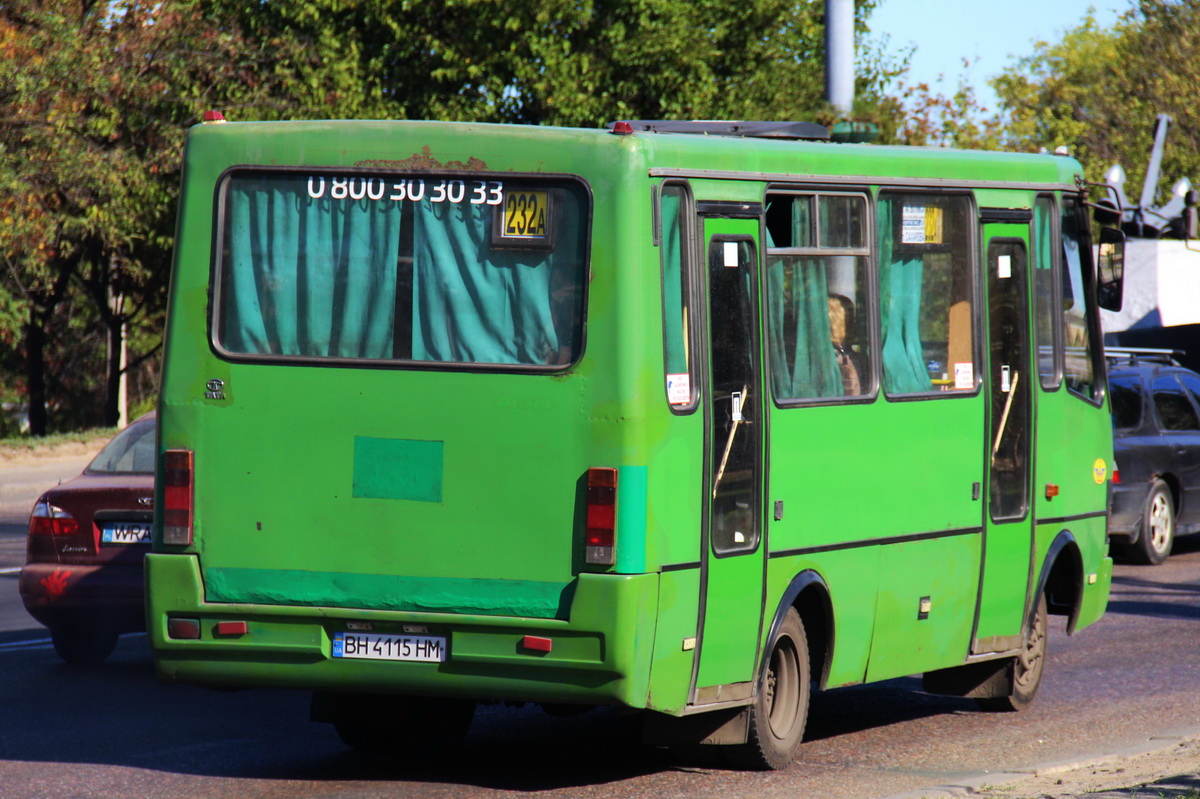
{"points": [[1135, 773]]}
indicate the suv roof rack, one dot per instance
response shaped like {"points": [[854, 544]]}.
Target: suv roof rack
{"points": [[760, 130], [1136, 355]]}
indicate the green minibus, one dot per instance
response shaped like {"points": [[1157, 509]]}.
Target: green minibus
{"points": [[676, 417]]}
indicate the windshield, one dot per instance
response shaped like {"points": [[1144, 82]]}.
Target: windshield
{"points": [[131, 451], [437, 269]]}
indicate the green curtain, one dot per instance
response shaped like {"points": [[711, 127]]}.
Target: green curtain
{"points": [[798, 289], [904, 369], [475, 304], [309, 277], [798, 311]]}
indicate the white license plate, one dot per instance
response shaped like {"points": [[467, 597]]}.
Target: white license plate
{"points": [[384, 646], [125, 533]]}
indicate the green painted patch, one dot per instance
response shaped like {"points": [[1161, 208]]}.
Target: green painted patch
{"points": [[391, 468], [539, 600]]}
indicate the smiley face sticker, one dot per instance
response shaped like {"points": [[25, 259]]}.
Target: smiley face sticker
{"points": [[1099, 471]]}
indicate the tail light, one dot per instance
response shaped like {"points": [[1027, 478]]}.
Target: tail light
{"points": [[178, 497], [601, 535], [1116, 476], [48, 519]]}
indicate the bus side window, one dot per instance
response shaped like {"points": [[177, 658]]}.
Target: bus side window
{"points": [[817, 322], [678, 297], [1077, 320], [1046, 294], [926, 293]]}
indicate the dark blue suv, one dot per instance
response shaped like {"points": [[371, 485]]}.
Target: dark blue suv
{"points": [[1156, 422]]}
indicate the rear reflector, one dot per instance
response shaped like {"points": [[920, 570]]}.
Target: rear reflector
{"points": [[601, 535], [183, 629], [537, 644], [48, 519], [231, 628]]}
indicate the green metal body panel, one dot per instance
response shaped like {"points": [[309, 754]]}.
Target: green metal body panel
{"points": [[452, 499]]}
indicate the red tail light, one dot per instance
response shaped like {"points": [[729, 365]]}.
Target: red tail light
{"points": [[601, 535], [178, 500], [48, 519], [1116, 475]]}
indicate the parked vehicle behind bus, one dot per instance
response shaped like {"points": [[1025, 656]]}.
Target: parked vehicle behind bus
{"points": [[676, 417]]}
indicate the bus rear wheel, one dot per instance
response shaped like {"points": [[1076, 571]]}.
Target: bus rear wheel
{"points": [[1027, 668], [780, 709]]}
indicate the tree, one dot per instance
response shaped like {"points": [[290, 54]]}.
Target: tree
{"points": [[1098, 92], [96, 95], [95, 101], [556, 62]]}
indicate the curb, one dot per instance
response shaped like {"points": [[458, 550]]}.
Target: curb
{"points": [[1009, 782]]}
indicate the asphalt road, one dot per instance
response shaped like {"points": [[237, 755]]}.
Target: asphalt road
{"points": [[114, 731]]}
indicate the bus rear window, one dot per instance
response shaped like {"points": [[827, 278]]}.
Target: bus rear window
{"points": [[458, 269]]}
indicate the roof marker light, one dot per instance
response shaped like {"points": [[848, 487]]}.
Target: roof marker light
{"points": [[214, 116], [622, 128]]}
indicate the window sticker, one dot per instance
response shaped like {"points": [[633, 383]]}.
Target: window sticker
{"points": [[921, 224], [679, 389], [731, 253], [964, 376], [1004, 267]]}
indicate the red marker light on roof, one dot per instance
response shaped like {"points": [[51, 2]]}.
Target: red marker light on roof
{"points": [[622, 128], [214, 116], [601, 534]]}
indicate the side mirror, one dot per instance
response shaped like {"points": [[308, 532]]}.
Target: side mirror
{"points": [[1110, 269]]}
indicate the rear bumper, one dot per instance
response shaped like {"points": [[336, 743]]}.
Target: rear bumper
{"points": [[59, 595], [599, 655], [1125, 514]]}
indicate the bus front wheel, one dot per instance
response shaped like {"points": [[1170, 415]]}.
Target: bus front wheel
{"points": [[780, 709], [1027, 668]]}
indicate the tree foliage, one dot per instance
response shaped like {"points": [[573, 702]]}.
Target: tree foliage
{"points": [[96, 96], [554, 62], [1098, 91], [94, 101]]}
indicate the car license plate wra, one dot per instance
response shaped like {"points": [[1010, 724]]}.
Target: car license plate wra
{"points": [[386, 646], [121, 533]]}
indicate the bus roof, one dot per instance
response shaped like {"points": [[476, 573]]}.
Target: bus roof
{"points": [[430, 146]]}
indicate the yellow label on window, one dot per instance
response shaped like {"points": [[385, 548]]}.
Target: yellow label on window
{"points": [[525, 215]]}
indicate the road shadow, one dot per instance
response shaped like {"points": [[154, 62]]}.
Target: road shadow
{"points": [[118, 714]]}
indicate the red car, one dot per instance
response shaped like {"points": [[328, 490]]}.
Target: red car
{"points": [[87, 540]]}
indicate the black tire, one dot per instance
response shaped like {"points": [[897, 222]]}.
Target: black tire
{"points": [[1027, 668], [780, 709], [83, 646], [410, 726], [1157, 535]]}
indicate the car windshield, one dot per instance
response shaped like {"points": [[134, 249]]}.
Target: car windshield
{"points": [[130, 452]]}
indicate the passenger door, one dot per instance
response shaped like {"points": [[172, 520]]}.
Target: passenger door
{"points": [[733, 549], [1008, 525]]}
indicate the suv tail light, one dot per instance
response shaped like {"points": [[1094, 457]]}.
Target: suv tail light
{"points": [[178, 498], [48, 519], [601, 535]]}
